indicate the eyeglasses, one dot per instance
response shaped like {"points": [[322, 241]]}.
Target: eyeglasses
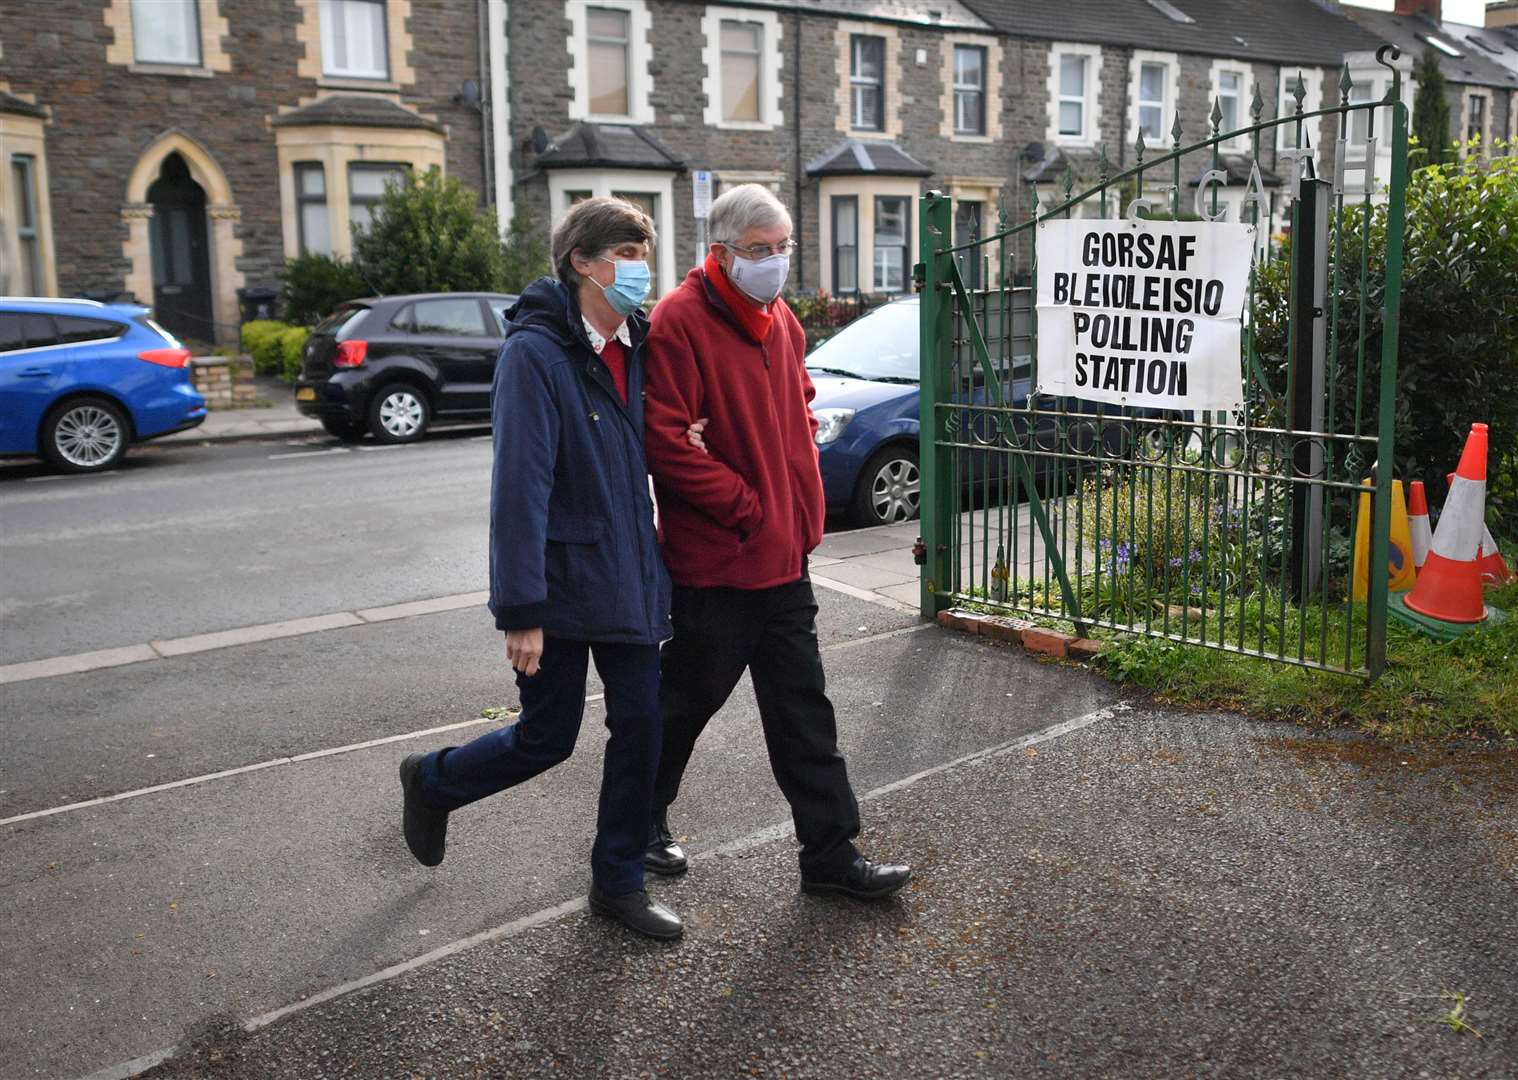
{"points": [[785, 247]]}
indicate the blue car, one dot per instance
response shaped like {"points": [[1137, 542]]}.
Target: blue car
{"points": [[80, 381]]}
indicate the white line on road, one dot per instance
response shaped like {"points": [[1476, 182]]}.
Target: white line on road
{"points": [[312, 755], [757, 838]]}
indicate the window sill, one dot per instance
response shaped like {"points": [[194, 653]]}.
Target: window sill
{"points": [[744, 125], [343, 82], [968, 138], [869, 133], [1080, 142], [186, 71]]}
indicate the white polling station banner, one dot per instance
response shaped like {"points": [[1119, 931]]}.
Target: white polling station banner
{"points": [[1144, 313]]}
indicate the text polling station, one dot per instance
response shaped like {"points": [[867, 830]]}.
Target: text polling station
{"points": [[1143, 313]]}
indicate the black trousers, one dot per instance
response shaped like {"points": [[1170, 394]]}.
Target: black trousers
{"points": [[773, 633]]}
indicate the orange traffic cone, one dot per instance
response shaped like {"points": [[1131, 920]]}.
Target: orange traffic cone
{"points": [[1417, 522], [1449, 585], [1489, 561]]}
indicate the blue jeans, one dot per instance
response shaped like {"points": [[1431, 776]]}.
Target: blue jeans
{"points": [[553, 704]]}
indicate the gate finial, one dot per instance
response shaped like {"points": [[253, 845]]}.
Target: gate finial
{"points": [[1217, 116], [1394, 91], [1346, 84], [1175, 129], [1299, 92], [1138, 146]]}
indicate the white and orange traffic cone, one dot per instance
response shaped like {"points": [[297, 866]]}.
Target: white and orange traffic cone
{"points": [[1447, 600], [1417, 522], [1490, 562]]}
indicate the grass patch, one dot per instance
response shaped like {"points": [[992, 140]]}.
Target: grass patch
{"points": [[1467, 687]]}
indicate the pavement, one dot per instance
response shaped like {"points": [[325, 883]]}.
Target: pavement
{"points": [[1143, 895], [279, 418]]}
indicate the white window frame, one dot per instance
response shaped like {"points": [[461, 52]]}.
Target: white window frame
{"points": [[196, 38], [771, 66], [603, 183], [640, 80], [983, 88], [1090, 116], [992, 90], [905, 246], [1486, 97], [880, 84], [865, 189], [1364, 72], [1241, 116], [1286, 105], [326, 9], [1136, 64]]}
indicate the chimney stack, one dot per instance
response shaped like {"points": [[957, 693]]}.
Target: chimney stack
{"points": [[1431, 8], [1501, 13]]}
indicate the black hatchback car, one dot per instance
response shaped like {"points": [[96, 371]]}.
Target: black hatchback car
{"points": [[390, 366]]}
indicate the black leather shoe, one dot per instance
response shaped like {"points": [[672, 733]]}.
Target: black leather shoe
{"points": [[426, 829], [663, 856], [863, 880], [637, 912]]}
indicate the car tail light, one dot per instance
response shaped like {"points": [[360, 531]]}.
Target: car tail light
{"points": [[179, 358], [350, 354]]}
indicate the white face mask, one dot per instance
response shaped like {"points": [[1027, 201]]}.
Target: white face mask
{"points": [[763, 278]]}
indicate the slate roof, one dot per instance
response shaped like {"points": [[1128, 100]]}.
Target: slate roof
{"points": [[1503, 39], [10, 103], [609, 146], [355, 110], [1474, 67], [1271, 31], [866, 157]]}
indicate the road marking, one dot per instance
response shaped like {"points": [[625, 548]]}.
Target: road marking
{"points": [[424, 607], [862, 594], [757, 838], [309, 453], [54, 666], [77, 663], [312, 755], [388, 446], [247, 635], [63, 476]]}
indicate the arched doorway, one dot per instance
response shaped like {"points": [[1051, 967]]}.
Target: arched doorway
{"points": [[181, 259]]}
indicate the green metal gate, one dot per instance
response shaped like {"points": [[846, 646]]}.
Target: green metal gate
{"points": [[1234, 531]]}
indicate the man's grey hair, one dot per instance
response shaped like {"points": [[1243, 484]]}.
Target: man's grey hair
{"points": [[745, 207]]}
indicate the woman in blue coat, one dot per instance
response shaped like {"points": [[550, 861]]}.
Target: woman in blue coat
{"points": [[575, 568]]}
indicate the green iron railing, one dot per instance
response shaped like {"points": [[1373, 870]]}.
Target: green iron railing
{"points": [[1176, 526]]}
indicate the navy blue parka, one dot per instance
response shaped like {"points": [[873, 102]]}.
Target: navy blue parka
{"points": [[572, 541]]}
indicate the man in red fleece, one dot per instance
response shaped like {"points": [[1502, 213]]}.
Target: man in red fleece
{"points": [[741, 506]]}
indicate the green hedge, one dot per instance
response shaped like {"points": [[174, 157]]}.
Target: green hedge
{"points": [[275, 347]]}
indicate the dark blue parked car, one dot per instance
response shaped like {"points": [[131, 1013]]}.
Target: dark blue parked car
{"points": [[80, 381]]}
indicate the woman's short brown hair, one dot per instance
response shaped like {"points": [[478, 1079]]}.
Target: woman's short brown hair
{"points": [[594, 225]]}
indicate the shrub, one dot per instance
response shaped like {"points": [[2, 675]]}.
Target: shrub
{"points": [[1458, 355], [260, 340], [526, 254], [315, 284], [429, 235], [292, 340]]}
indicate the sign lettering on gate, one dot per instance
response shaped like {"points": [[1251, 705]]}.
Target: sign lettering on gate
{"points": [[1143, 313]]}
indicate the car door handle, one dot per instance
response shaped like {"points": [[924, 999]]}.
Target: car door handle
{"points": [[35, 372]]}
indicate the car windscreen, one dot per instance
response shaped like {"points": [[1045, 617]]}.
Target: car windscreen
{"points": [[342, 322], [881, 346]]}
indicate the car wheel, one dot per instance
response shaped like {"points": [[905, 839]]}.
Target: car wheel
{"points": [[398, 413], [346, 430], [890, 488], [85, 435]]}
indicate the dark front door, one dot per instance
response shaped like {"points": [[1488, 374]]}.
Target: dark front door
{"points": [[181, 261]]}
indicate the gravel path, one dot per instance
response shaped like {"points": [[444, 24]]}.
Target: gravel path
{"points": [[1153, 895]]}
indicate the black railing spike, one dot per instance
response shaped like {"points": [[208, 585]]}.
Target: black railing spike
{"points": [[1176, 130], [1138, 146], [1346, 84], [1300, 92], [1257, 105], [1217, 115], [1102, 164], [1069, 182]]}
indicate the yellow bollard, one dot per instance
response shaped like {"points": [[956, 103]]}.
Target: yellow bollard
{"points": [[1402, 574]]}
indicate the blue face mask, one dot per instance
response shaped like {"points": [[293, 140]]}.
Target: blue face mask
{"points": [[630, 288]]}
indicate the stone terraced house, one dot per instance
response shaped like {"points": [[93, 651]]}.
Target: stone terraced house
{"points": [[180, 150]]}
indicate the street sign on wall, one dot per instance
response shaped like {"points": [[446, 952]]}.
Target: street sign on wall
{"points": [[701, 184]]}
